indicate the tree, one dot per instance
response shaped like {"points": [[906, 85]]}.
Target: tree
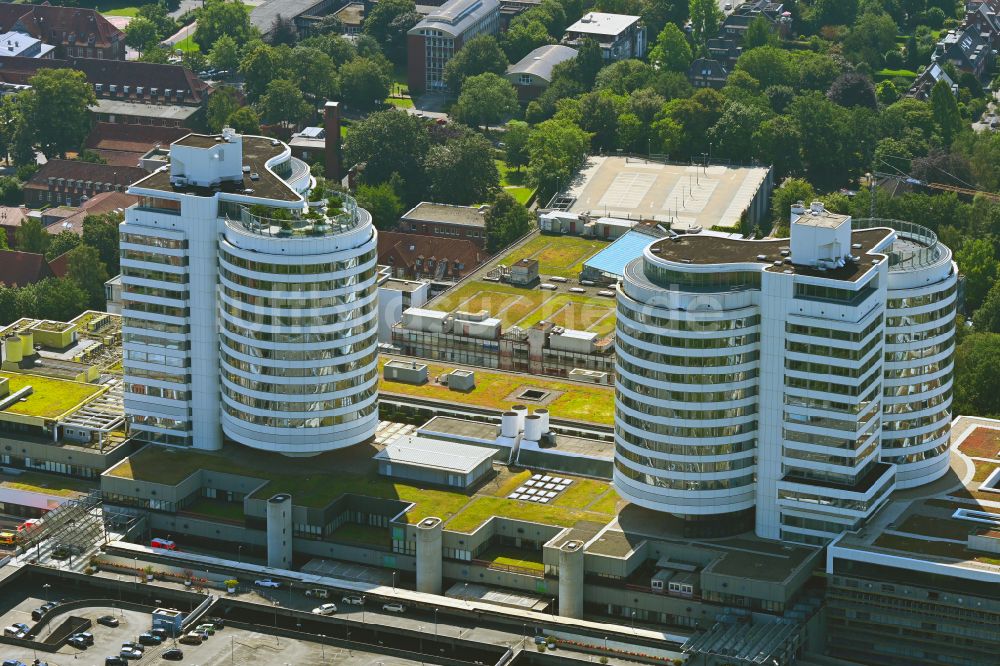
{"points": [[264, 63], [732, 135], [84, 266], [317, 73], [101, 232], [705, 19], [157, 14], [58, 108], [486, 99], [977, 261], [790, 192], [282, 31], [59, 299], [599, 118], [156, 54], [382, 24], [658, 13], [11, 192], [516, 143], [31, 236], [945, 109], [364, 83], [776, 142], [759, 34], [505, 222], [462, 171], [480, 55], [588, 62], [61, 243], [390, 142], [225, 54], [672, 51], [522, 37], [853, 89], [624, 77], [221, 105], [244, 120], [987, 318], [977, 388], [223, 17], [872, 35], [328, 25], [140, 34], [196, 61], [382, 202], [283, 103], [556, 148]]}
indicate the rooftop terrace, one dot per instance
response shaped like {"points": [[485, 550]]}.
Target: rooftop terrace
{"points": [[51, 398], [257, 150], [316, 482]]}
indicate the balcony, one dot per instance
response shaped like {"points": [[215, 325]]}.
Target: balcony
{"points": [[330, 214]]}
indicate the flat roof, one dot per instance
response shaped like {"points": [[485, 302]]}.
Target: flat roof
{"points": [[426, 211], [396, 284], [160, 111], [257, 150], [686, 196], [601, 23], [708, 250], [437, 454], [613, 259], [456, 16]]}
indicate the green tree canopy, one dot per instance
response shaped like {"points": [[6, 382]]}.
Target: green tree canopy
{"points": [[977, 261], [382, 202], [987, 318], [101, 232], [516, 143], [705, 20], [58, 108], [486, 99], [462, 170], [141, 33], [557, 148], [364, 83], [31, 236], [283, 102], [225, 54], [221, 104], [523, 37], [84, 266], [61, 243], [506, 221], [672, 51], [244, 120], [977, 391], [389, 142], [388, 22], [480, 55], [945, 109], [223, 17]]}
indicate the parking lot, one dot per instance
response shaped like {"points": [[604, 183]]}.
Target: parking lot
{"points": [[227, 646]]}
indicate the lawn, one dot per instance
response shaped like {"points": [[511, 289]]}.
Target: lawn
{"points": [[556, 255], [231, 511], [34, 482], [578, 401], [521, 194], [581, 494], [514, 557], [525, 307], [122, 11], [365, 535], [565, 310], [188, 45], [400, 102], [51, 398], [482, 509]]}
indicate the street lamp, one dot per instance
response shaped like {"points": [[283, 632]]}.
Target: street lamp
{"points": [[552, 607], [393, 581], [322, 646], [46, 587], [435, 623], [363, 598], [239, 553], [633, 622]]}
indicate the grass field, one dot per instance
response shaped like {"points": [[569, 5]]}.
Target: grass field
{"points": [[50, 398], [525, 307], [231, 511], [514, 557], [365, 535], [121, 11], [400, 102], [482, 509], [557, 255], [578, 401], [514, 182], [59, 486], [187, 45]]}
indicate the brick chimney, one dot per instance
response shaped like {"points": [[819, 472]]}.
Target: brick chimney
{"points": [[331, 125]]}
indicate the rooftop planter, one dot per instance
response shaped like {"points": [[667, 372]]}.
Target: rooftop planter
{"points": [[327, 213]]}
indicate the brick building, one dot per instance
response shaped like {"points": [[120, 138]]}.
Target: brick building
{"points": [[446, 221], [69, 181], [75, 32], [436, 39], [412, 256]]}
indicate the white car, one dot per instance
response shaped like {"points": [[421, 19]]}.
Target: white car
{"points": [[354, 601], [325, 609], [267, 582], [394, 608]]}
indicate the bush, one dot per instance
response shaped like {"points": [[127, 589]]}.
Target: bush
{"points": [[893, 59]]}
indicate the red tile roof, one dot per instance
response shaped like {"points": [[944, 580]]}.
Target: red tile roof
{"points": [[70, 26], [76, 170], [18, 269], [132, 138], [401, 251], [105, 202], [60, 265]]}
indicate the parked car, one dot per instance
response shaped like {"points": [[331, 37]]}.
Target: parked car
{"points": [[219, 622], [115, 661], [318, 592], [394, 608], [77, 642], [207, 628], [130, 653], [14, 631], [86, 636], [13, 662], [134, 646], [160, 632], [356, 601], [325, 609], [148, 638], [108, 620], [173, 654], [191, 638], [267, 582]]}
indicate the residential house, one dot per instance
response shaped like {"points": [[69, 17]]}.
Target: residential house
{"points": [[413, 256], [11, 219], [922, 86], [99, 204], [72, 182], [968, 49], [73, 31], [707, 73], [532, 74], [446, 221], [125, 145], [620, 36], [432, 42]]}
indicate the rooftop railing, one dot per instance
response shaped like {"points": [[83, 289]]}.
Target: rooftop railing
{"points": [[331, 214], [922, 249]]}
